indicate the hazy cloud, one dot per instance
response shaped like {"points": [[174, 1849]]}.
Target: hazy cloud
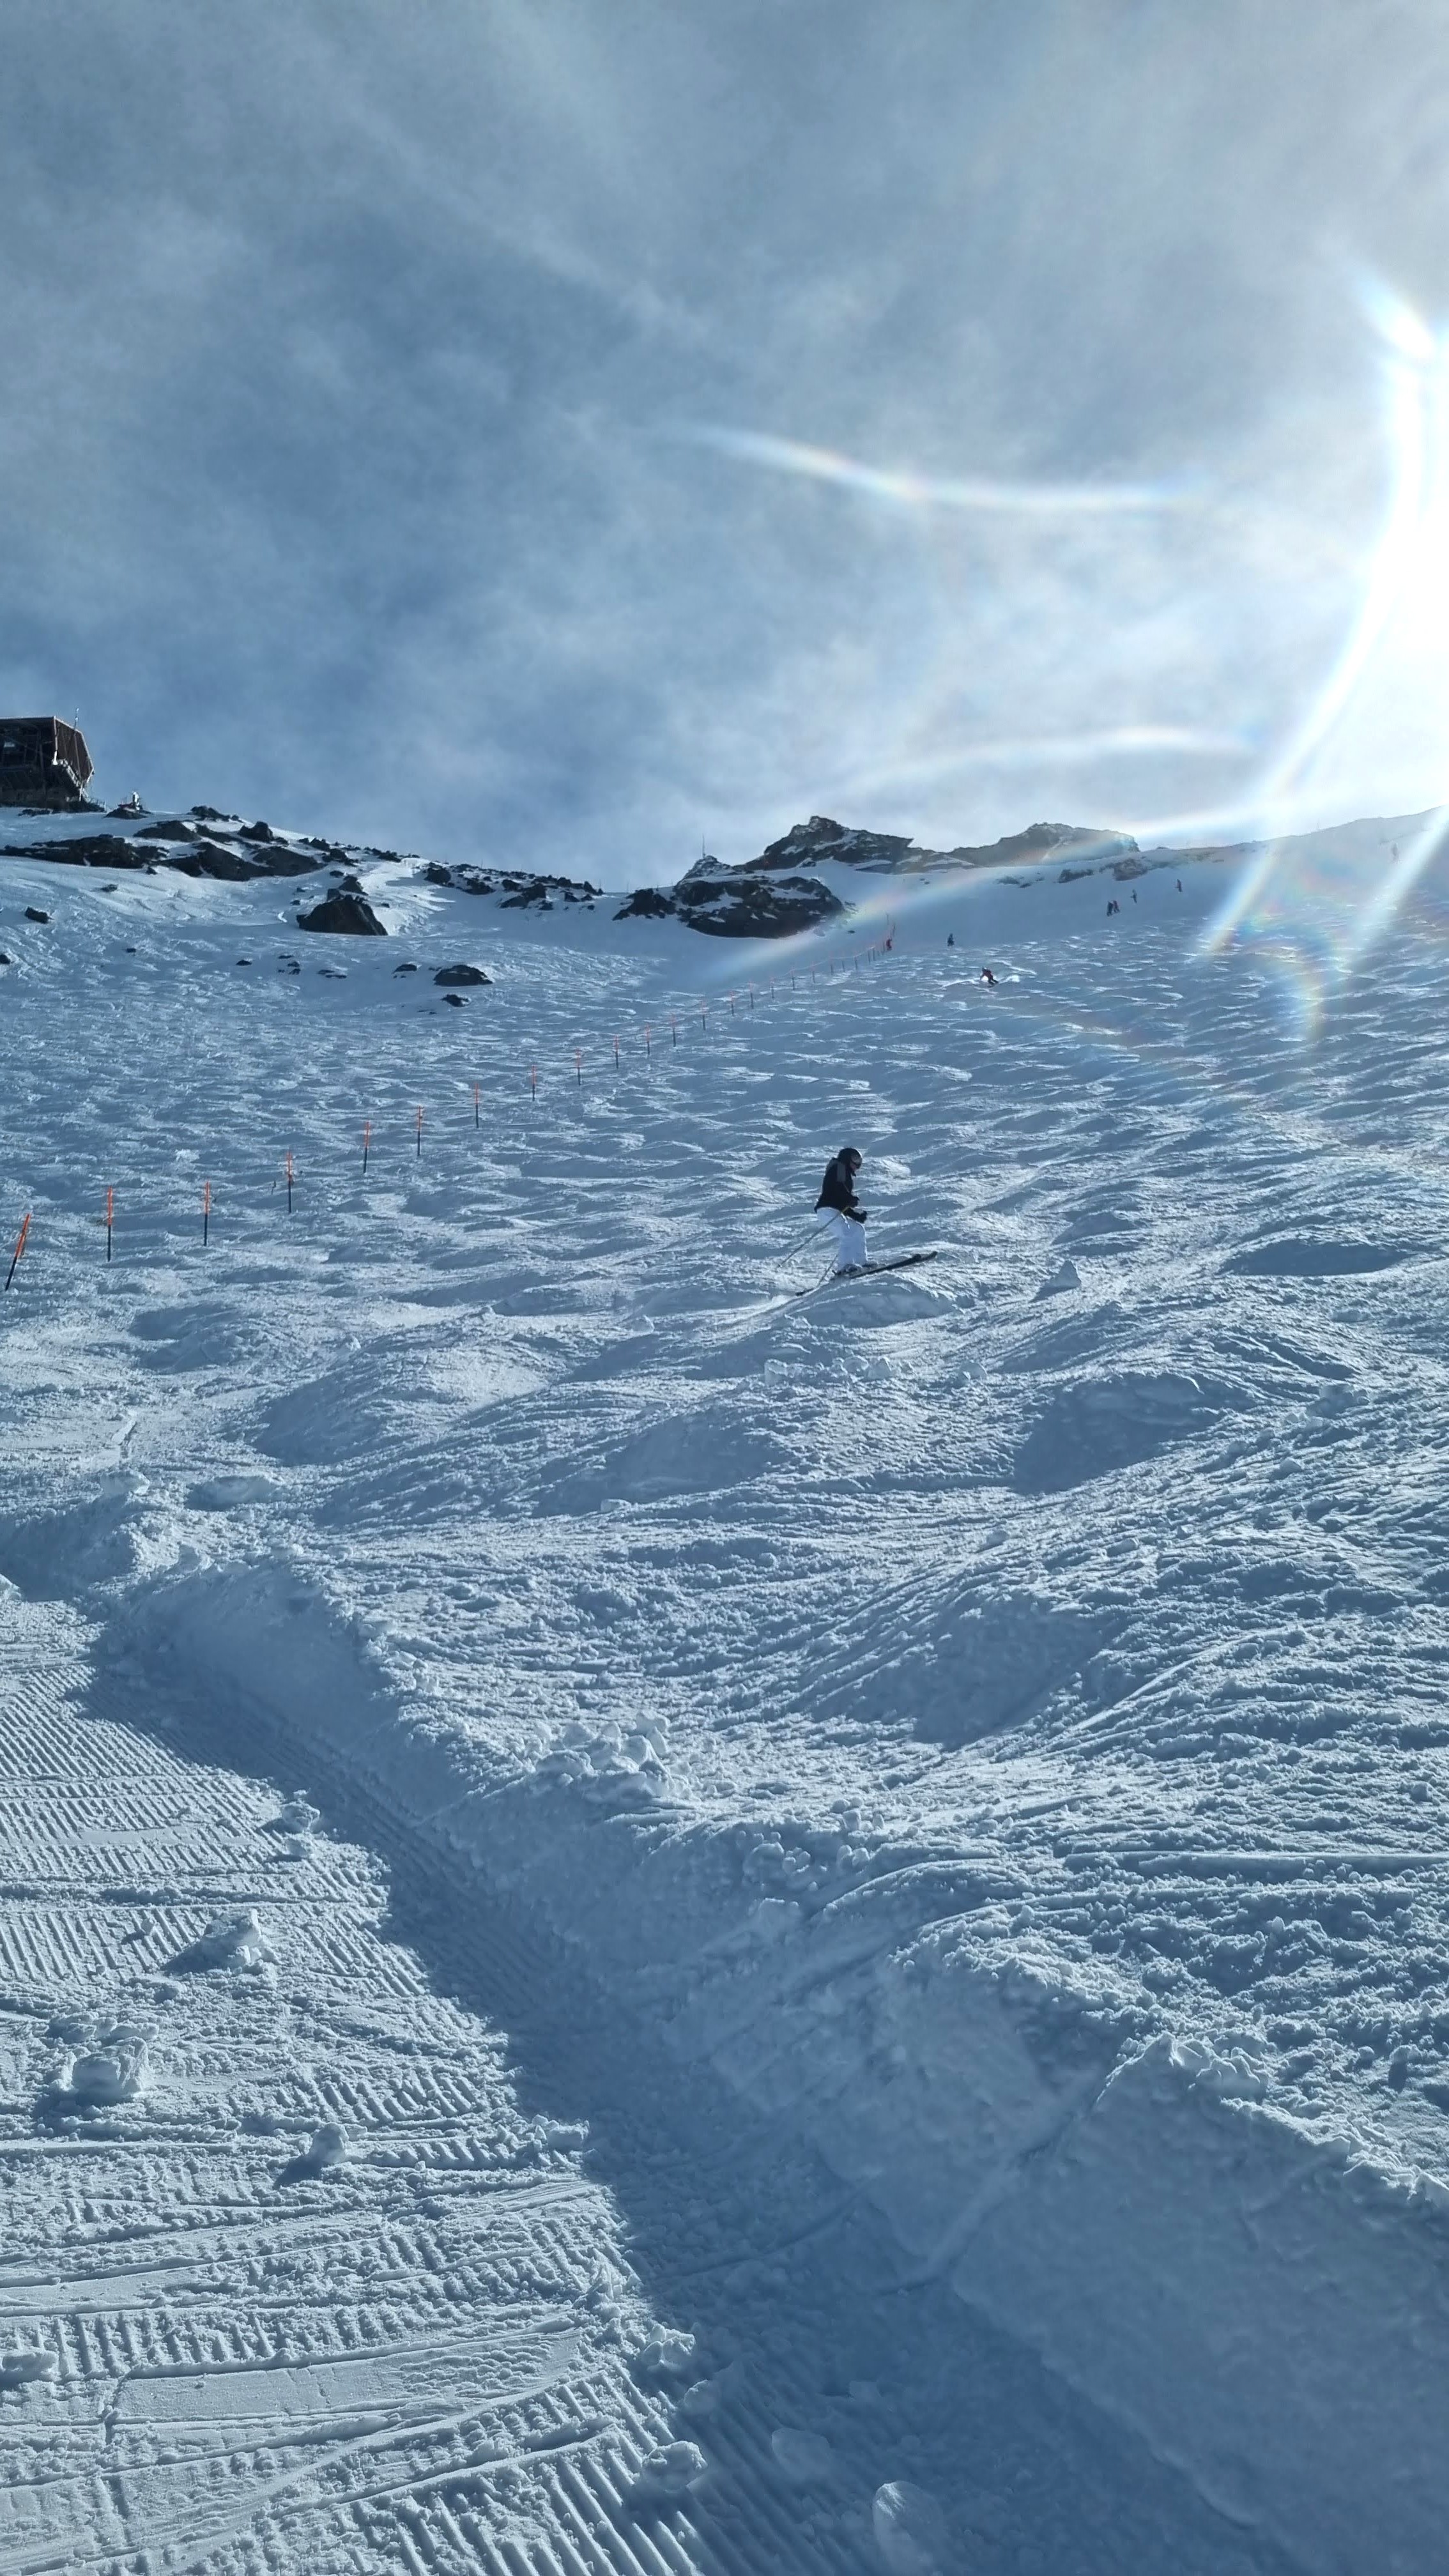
{"points": [[348, 466]]}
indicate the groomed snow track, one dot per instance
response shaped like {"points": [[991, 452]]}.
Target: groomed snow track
{"points": [[434, 2352]]}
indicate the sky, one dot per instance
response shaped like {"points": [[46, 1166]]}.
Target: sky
{"points": [[567, 432]]}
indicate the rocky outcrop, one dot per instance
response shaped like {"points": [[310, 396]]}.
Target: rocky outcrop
{"points": [[735, 903], [461, 975], [518, 893], [806, 844], [253, 850], [809, 845], [349, 913], [646, 903], [91, 850], [234, 866]]}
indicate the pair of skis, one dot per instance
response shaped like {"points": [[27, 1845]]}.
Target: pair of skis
{"points": [[868, 1270]]}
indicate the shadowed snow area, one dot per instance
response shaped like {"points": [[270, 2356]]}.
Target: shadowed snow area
{"points": [[657, 1916]]}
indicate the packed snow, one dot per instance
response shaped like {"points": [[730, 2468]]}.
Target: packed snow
{"points": [[660, 1912]]}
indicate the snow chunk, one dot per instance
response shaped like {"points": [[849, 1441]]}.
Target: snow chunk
{"points": [[229, 1941], [667, 2353], [910, 2530], [111, 2075], [667, 2476], [803, 2459]]}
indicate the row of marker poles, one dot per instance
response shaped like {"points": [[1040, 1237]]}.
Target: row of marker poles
{"points": [[24, 1234]]}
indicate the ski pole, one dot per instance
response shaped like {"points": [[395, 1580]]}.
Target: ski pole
{"points": [[19, 1248]]}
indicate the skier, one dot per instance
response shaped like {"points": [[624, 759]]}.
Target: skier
{"points": [[844, 1219], [950, 938], [988, 978]]}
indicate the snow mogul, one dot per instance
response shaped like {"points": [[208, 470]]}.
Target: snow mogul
{"points": [[842, 1216]]}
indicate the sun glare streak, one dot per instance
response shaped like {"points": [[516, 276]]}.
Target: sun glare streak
{"points": [[1315, 922], [1046, 751], [937, 492]]}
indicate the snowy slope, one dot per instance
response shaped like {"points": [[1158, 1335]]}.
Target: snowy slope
{"points": [[969, 1747]]}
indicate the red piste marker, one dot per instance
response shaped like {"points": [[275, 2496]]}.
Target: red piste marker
{"points": [[533, 1080], [673, 1030], [420, 1135], [579, 1067], [205, 1215], [20, 1244], [289, 1184], [648, 1049], [616, 1055], [110, 1204], [366, 1141], [475, 1105]]}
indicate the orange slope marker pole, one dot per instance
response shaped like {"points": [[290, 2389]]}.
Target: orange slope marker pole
{"points": [[420, 1135], [205, 1215], [289, 1184], [110, 1208], [20, 1243], [366, 1141], [476, 1120]]}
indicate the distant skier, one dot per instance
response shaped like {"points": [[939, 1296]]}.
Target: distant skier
{"points": [[843, 1216], [950, 938], [988, 978]]}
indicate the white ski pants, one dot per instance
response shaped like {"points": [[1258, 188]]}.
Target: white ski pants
{"points": [[847, 1234]]}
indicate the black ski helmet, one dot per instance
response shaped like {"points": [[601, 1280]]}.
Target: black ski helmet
{"points": [[851, 1154]]}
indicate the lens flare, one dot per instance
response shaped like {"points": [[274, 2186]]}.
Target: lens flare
{"points": [[936, 492], [1317, 910]]}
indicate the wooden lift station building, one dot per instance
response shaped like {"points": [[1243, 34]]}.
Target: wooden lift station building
{"points": [[42, 762]]}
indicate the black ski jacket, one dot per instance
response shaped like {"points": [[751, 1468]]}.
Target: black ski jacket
{"points": [[837, 1190]]}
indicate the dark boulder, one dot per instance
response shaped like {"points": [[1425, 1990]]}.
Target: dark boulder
{"points": [[34, 913], [349, 913], [257, 831], [173, 830], [461, 975], [455, 1001], [646, 903]]}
